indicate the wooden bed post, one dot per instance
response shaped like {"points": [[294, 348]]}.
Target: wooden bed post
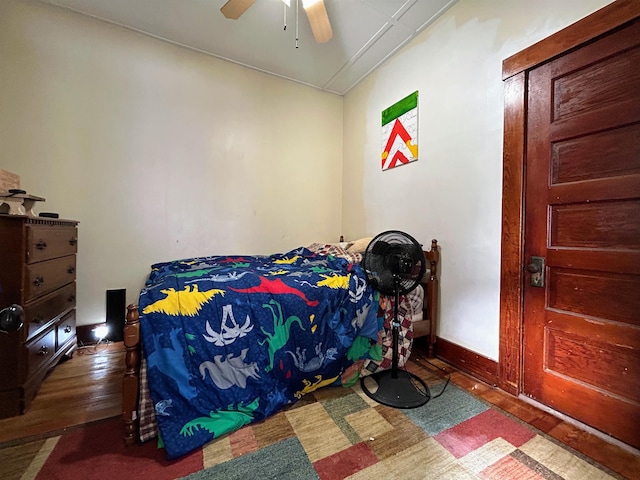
{"points": [[131, 374], [432, 294]]}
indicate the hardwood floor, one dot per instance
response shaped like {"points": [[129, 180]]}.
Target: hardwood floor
{"points": [[88, 388], [84, 389]]}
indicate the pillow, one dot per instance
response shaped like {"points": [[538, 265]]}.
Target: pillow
{"points": [[334, 250], [427, 275], [360, 245]]}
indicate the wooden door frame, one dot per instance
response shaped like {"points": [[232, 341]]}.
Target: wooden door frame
{"points": [[515, 71]]}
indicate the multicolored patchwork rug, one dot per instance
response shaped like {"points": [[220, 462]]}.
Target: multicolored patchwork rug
{"points": [[333, 433]]}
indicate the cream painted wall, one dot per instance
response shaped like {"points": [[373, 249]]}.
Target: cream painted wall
{"points": [[158, 151], [453, 192]]}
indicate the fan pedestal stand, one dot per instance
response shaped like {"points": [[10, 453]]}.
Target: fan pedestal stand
{"points": [[396, 388], [398, 392]]}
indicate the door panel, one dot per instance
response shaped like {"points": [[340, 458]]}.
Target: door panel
{"points": [[598, 294], [582, 359], [611, 153], [582, 213], [600, 224]]}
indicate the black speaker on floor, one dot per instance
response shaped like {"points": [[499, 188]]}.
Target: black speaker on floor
{"points": [[116, 312]]}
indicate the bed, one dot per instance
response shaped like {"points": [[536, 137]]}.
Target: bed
{"points": [[231, 340]]}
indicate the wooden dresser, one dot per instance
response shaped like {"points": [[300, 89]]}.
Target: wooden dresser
{"points": [[38, 272]]}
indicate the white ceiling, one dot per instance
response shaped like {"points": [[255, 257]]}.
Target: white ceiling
{"points": [[365, 33]]}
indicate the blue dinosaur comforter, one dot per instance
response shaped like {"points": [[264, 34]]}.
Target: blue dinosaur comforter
{"points": [[232, 340]]}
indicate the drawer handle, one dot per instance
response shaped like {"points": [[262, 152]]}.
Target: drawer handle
{"points": [[41, 245], [38, 318], [73, 241], [71, 298], [71, 270], [43, 351], [67, 329], [38, 281]]}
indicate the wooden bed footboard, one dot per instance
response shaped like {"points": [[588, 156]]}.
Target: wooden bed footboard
{"points": [[131, 382], [427, 326]]}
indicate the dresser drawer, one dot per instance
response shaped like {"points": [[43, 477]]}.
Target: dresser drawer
{"points": [[39, 313], [45, 242], [66, 328], [44, 277], [40, 351], [37, 271]]}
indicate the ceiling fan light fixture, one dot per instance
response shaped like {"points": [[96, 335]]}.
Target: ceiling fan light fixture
{"points": [[315, 10], [318, 19], [234, 8]]}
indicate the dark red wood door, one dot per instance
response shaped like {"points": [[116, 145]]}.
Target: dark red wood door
{"points": [[582, 215]]}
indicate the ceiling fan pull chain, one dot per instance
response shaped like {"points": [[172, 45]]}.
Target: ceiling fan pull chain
{"points": [[297, 8], [284, 9]]}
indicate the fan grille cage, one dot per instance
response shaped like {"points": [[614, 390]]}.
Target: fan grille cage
{"points": [[394, 259]]}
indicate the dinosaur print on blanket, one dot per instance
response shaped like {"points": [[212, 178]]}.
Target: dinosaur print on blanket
{"points": [[232, 371], [162, 406], [230, 330], [321, 358], [276, 287], [361, 288], [222, 421], [281, 331], [228, 277], [287, 260], [194, 273], [232, 340], [186, 302], [335, 281], [312, 386], [170, 362]]}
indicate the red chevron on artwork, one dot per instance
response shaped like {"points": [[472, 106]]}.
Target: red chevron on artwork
{"points": [[399, 157], [398, 130]]}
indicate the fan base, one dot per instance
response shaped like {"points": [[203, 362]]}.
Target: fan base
{"points": [[400, 392]]}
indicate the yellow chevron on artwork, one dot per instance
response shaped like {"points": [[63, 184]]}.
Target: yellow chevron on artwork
{"points": [[186, 302], [412, 148], [335, 281], [287, 261], [312, 317]]}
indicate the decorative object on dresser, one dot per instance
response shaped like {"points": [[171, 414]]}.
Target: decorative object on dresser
{"points": [[14, 200], [18, 202], [37, 273]]}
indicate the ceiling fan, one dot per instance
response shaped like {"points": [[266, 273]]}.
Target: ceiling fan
{"points": [[315, 10]]}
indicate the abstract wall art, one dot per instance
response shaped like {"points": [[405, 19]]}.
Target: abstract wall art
{"points": [[400, 132]]}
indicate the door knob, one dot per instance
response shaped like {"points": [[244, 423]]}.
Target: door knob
{"points": [[533, 268], [536, 269]]}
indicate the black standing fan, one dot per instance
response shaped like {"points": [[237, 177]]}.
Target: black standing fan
{"points": [[394, 263]]}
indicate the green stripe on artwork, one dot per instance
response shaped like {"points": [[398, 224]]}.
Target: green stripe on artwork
{"points": [[400, 108]]}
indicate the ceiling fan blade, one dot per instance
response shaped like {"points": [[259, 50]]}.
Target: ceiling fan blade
{"points": [[234, 8], [318, 19]]}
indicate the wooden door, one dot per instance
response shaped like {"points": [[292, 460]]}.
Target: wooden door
{"points": [[581, 351]]}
